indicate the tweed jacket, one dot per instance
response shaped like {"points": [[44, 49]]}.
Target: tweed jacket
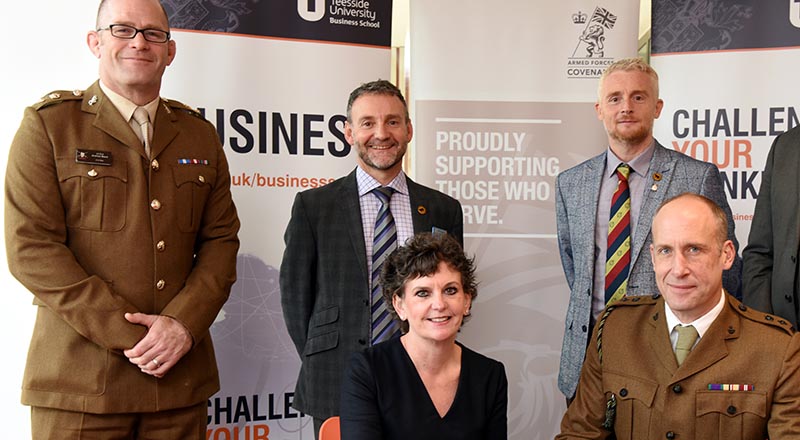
{"points": [[577, 196], [94, 240], [657, 399], [325, 286], [771, 255]]}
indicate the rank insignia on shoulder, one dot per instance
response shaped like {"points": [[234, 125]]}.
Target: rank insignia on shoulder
{"points": [[58, 97], [94, 157]]}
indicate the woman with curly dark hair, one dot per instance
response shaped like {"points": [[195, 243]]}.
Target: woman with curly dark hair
{"points": [[424, 384]]}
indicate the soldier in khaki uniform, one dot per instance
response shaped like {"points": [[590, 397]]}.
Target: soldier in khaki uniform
{"points": [[126, 234], [733, 376]]}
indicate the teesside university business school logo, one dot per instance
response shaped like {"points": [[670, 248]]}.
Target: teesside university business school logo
{"points": [[588, 60], [341, 12]]}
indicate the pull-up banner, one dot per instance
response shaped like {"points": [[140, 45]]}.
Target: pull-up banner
{"points": [[503, 100], [274, 78], [728, 70]]}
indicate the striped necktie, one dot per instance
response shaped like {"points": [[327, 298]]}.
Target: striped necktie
{"points": [[385, 241], [618, 255]]}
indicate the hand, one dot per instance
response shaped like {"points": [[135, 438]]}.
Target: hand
{"points": [[165, 343]]}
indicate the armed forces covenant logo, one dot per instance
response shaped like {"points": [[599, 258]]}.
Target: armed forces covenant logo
{"points": [[588, 60]]}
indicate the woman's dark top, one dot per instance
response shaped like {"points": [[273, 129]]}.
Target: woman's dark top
{"points": [[383, 397]]}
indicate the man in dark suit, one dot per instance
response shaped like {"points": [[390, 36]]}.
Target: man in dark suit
{"points": [[690, 361], [327, 268], [628, 104], [771, 261], [129, 251]]}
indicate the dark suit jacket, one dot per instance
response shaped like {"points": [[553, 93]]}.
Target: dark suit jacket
{"points": [[771, 256], [655, 396], [577, 196], [325, 286], [90, 243]]}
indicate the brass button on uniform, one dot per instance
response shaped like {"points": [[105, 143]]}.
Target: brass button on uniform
{"points": [[155, 204], [161, 246], [92, 173], [201, 179], [154, 165], [160, 284]]}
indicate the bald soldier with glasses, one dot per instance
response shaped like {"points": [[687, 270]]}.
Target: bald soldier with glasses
{"points": [[128, 250]]}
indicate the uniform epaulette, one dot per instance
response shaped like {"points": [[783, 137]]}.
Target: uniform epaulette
{"points": [[57, 97], [636, 300], [763, 318], [181, 106], [626, 300]]}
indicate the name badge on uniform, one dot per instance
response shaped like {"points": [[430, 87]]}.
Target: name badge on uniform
{"points": [[93, 157]]}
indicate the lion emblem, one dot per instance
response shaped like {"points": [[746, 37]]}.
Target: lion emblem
{"points": [[593, 36]]}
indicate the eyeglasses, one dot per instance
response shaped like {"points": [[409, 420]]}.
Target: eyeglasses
{"points": [[129, 32]]}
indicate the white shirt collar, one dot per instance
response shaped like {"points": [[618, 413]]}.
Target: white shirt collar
{"points": [[702, 323], [367, 183]]}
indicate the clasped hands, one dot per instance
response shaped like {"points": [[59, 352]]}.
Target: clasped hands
{"points": [[165, 343]]}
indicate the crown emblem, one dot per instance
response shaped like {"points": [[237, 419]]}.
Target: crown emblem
{"points": [[579, 18]]}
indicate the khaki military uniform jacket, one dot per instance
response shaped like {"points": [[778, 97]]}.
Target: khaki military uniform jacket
{"points": [[92, 241], [656, 399]]}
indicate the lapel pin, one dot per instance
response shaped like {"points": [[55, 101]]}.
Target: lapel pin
{"points": [[93, 100], [422, 210]]}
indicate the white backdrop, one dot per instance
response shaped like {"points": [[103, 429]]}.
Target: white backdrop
{"points": [[43, 52], [223, 74]]}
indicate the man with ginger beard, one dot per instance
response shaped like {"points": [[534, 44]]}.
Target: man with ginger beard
{"points": [[328, 280], [627, 104], [128, 248]]}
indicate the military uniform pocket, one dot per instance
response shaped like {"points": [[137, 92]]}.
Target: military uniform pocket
{"points": [[730, 415], [95, 197], [635, 398], [194, 183], [62, 361]]}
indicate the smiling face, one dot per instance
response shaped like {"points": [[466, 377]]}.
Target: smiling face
{"points": [[133, 68], [380, 132], [434, 305], [628, 104], [690, 252]]}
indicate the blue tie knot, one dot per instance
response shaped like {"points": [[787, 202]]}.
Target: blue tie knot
{"points": [[384, 193]]}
